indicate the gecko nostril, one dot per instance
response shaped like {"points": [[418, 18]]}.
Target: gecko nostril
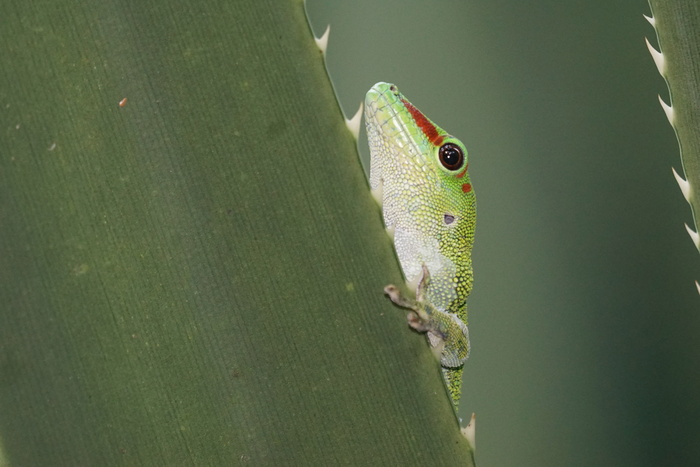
{"points": [[449, 218]]}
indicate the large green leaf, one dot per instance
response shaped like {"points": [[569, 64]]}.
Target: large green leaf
{"points": [[195, 276], [677, 24]]}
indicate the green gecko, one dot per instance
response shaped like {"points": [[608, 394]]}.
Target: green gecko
{"points": [[418, 173]]}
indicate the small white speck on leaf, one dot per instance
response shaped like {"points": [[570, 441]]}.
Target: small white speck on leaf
{"points": [[668, 110], [693, 236], [353, 123], [683, 184], [658, 58], [469, 432], [322, 42]]}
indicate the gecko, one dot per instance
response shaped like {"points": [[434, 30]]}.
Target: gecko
{"points": [[418, 174]]}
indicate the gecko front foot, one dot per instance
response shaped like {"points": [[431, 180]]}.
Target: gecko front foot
{"points": [[417, 317], [448, 335]]}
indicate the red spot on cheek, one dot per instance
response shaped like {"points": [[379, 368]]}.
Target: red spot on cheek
{"points": [[423, 123], [467, 187], [461, 174]]}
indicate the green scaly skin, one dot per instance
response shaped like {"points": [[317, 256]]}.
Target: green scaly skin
{"points": [[419, 175]]}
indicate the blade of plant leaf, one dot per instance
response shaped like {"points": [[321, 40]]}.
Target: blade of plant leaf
{"points": [[191, 263], [677, 24]]}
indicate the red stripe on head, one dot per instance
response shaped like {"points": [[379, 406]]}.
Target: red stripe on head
{"points": [[467, 187], [424, 124]]}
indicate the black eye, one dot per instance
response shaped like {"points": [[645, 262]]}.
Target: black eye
{"points": [[451, 156]]}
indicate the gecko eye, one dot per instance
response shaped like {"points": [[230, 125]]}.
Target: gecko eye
{"points": [[451, 156]]}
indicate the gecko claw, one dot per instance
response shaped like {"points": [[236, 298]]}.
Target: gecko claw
{"points": [[417, 317], [395, 296], [415, 322]]}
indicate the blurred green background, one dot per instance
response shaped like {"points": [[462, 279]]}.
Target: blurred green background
{"points": [[161, 302], [584, 313]]}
